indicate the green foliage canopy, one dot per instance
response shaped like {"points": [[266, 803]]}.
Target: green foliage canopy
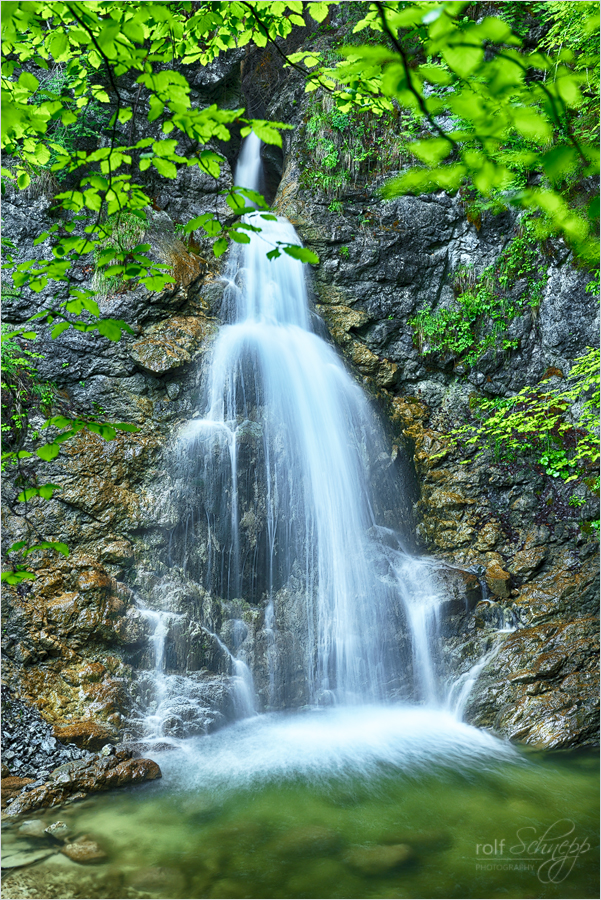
{"points": [[489, 107]]}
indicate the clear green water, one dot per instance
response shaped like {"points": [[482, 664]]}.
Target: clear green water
{"points": [[320, 832]]}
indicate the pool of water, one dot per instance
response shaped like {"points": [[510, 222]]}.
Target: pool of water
{"points": [[361, 802]]}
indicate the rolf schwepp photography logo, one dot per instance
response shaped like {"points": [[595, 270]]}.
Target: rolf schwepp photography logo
{"points": [[550, 852]]}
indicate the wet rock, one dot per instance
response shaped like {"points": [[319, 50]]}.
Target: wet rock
{"points": [[380, 859], [527, 561], [28, 742], [498, 580], [171, 344], [87, 735], [58, 830], [12, 787], [542, 686], [86, 776], [84, 850]]}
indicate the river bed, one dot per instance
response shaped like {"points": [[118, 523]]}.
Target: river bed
{"points": [[365, 802]]}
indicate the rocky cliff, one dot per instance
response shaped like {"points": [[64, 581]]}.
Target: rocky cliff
{"points": [[81, 642]]}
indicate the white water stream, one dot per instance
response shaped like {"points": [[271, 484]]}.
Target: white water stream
{"points": [[319, 439], [321, 475]]}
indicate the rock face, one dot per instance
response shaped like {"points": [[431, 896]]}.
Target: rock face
{"points": [[77, 642]]}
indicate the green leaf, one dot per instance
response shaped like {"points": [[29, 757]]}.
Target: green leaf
{"points": [[58, 329], [49, 545], [156, 108], [17, 577], [45, 491], [23, 181], [58, 44], [318, 11], [29, 81], [236, 203], [431, 151], [220, 246], [464, 60], [560, 161], [302, 254], [110, 328], [58, 422], [165, 167], [18, 545], [532, 125], [48, 452], [268, 131], [238, 236]]}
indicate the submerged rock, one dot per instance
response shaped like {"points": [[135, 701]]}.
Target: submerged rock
{"points": [[58, 830], [379, 859], [18, 855], [309, 840], [33, 828], [84, 851]]}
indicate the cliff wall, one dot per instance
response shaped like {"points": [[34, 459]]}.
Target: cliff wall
{"points": [[76, 642]]}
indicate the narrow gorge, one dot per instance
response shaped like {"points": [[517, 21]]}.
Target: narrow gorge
{"points": [[335, 643]]}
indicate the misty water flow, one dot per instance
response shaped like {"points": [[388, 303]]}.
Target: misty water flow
{"points": [[324, 480]]}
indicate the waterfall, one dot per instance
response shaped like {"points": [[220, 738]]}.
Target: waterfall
{"points": [[297, 481]]}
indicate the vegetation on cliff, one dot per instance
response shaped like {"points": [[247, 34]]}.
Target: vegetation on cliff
{"points": [[482, 109]]}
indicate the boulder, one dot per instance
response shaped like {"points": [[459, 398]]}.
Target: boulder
{"points": [[77, 779], [498, 580], [11, 788], [171, 344]]}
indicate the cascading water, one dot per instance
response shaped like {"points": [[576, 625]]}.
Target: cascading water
{"points": [[280, 401]]}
